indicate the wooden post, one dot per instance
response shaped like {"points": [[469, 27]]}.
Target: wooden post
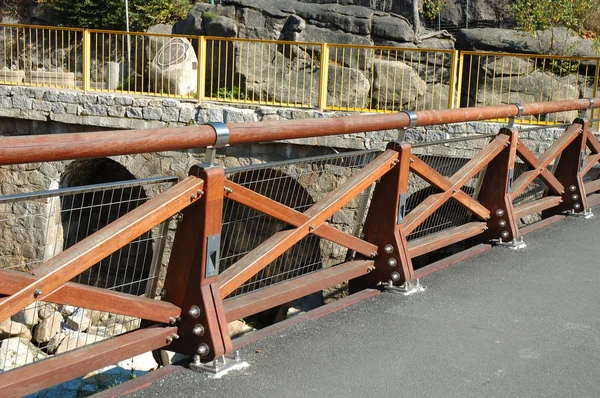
{"points": [[568, 172], [383, 225], [191, 281], [495, 192]]}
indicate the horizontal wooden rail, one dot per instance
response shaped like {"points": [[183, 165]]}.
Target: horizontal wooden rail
{"points": [[445, 238], [537, 206], [592, 186], [62, 268], [53, 147], [269, 297], [95, 298], [29, 379]]}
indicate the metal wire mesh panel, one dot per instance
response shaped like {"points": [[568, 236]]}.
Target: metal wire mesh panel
{"points": [[37, 226], [445, 157], [298, 184]]}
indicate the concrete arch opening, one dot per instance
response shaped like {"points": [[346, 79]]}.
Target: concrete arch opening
{"points": [[82, 214]]}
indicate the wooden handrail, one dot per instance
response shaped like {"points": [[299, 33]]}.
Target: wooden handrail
{"points": [[54, 147]]}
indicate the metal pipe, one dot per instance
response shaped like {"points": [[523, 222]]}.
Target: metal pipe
{"points": [[45, 148]]}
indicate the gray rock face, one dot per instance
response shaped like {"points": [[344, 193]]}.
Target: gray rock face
{"points": [[16, 351], [48, 328], [222, 26], [407, 87]]}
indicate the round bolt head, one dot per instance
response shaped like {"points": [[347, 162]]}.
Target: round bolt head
{"points": [[499, 212], [203, 349], [198, 330], [37, 293], [504, 234], [194, 311], [502, 223], [392, 262], [574, 196], [169, 339], [573, 188], [395, 276], [389, 249], [576, 206]]}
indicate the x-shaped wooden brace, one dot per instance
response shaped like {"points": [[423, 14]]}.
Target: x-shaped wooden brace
{"points": [[594, 157], [539, 165], [52, 276], [451, 187], [311, 221]]}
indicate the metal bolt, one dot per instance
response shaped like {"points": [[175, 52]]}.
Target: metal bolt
{"points": [[228, 190], [395, 276], [198, 330], [311, 227], [574, 196], [194, 311], [392, 262], [200, 192], [172, 320], [504, 234], [389, 249], [502, 223], [37, 293], [576, 206], [203, 349], [236, 355], [197, 359], [572, 188], [169, 339], [175, 336], [499, 212], [412, 160], [178, 217]]}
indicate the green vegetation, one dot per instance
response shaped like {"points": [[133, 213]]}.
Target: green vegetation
{"points": [[432, 7], [534, 15], [110, 14], [232, 93]]}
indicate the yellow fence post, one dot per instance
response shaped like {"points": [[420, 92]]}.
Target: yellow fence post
{"points": [[86, 62], [452, 89], [595, 90], [201, 68], [323, 76]]}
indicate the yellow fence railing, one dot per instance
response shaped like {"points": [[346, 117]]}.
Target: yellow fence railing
{"points": [[286, 73]]}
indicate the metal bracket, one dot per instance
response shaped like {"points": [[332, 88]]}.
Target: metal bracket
{"points": [[511, 121], [412, 115], [586, 214], [511, 178], [212, 255], [515, 244], [221, 140], [587, 111], [407, 288], [220, 366], [401, 208]]}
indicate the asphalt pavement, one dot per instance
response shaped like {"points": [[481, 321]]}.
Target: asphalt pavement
{"points": [[500, 324]]}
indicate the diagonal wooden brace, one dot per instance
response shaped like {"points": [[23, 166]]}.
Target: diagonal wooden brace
{"points": [[295, 218], [62, 268], [276, 245], [538, 171], [457, 181]]}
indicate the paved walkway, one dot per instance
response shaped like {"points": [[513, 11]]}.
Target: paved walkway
{"points": [[499, 324]]}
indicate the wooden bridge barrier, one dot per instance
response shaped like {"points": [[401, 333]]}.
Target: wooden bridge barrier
{"points": [[201, 299]]}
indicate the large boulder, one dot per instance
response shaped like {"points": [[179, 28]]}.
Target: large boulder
{"points": [[396, 85], [221, 26], [173, 70], [16, 352]]}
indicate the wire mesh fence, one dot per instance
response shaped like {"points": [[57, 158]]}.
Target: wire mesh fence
{"points": [[37, 226], [297, 184]]}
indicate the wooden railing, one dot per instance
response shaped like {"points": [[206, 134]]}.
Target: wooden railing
{"points": [[192, 318]]}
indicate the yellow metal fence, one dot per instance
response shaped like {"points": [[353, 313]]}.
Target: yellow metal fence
{"points": [[291, 74]]}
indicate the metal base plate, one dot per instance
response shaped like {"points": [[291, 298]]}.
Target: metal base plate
{"points": [[407, 288], [515, 244], [219, 367], [586, 214]]}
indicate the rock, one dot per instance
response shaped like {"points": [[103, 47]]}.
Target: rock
{"points": [[55, 341], [10, 328], [153, 44], [28, 316], [144, 362], [170, 357], [67, 310], [98, 317], [508, 40], [101, 331], [175, 68], [48, 328], [79, 320], [396, 85], [239, 328], [77, 340], [221, 26], [17, 351], [393, 28]]}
